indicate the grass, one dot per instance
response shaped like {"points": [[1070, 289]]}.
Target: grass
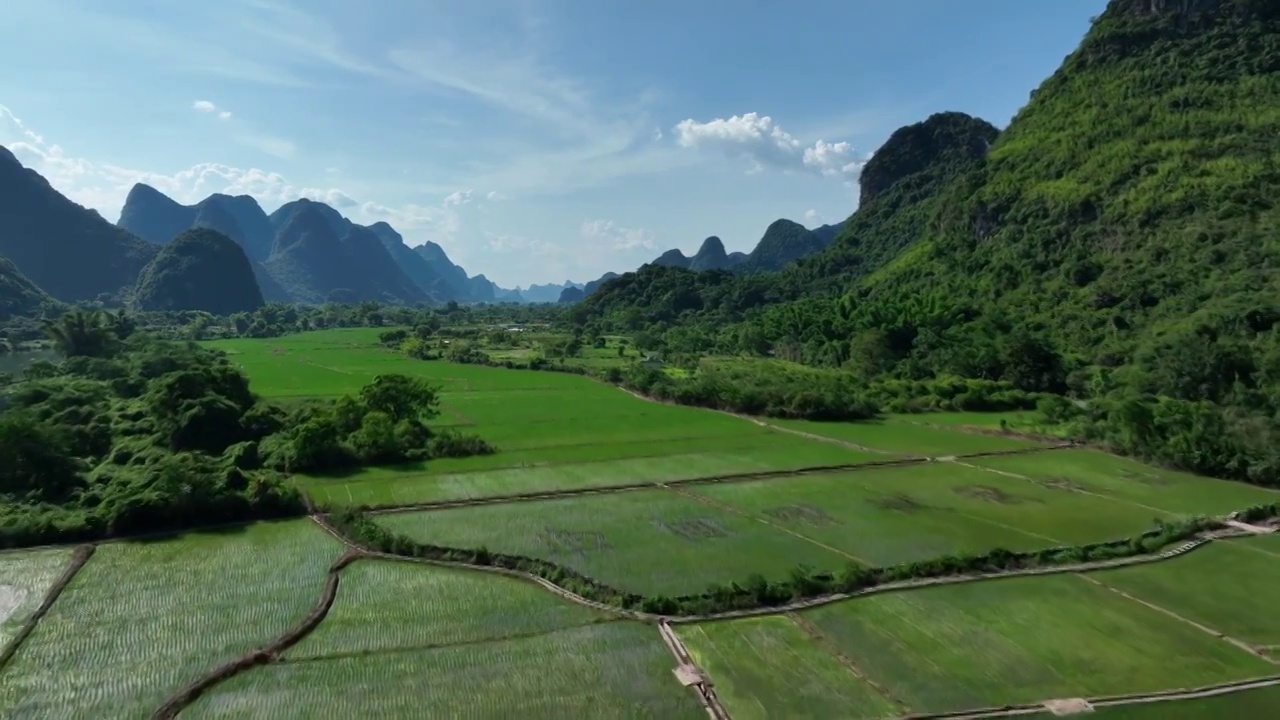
{"points": [[142, 619], [1023, 640], [386, 605], [767, 667], [25, 577], [1230, 586], [646, 541], [553, 430], [1130, 481], [615, 670], [903, 438], [886, 516]]}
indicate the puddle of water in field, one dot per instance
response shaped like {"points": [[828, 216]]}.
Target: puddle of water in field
{"points": [[10, 600]]}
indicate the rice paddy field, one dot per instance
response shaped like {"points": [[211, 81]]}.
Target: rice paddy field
{"points": [[25, 577], [142, 619], [408, 639], [970, 646]]}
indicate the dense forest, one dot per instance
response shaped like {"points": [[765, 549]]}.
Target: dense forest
{"points": [[1115, 244]]}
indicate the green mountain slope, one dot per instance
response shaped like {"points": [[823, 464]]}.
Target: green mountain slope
{"points": [[18, 295], [200, 269], [1119, 241], [68, 250]]}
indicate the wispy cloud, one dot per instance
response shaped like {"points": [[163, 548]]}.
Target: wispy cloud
{"points": [[609, 234], [764, 143]]}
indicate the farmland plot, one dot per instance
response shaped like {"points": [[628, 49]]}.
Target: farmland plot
{"points": [[645, 541], [906, 439], [581, 466], [1141, 486], [1023, 640], [885, 516], [1229, 586], [614, 670], [387, 605], [142, 619], [767, 667], [25, 577]]}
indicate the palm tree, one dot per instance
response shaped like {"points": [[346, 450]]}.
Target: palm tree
{"points": [[80, 333]]}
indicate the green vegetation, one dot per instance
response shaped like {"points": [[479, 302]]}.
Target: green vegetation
{"points": [[25, 577], [386, 606], [1112, 246], [1023, 640], [615, 670], [199, 270], [768, 667], [1243, 594], [144, 618], [18, 295], [1249, 703]]}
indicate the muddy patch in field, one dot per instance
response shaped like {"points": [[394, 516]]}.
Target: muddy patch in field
{"points": [[1146, 478], [573, 542], [279, 351], [801, 513], [11, 599], [1061, 483], [898, 502], [986, 493], [694, 530]]}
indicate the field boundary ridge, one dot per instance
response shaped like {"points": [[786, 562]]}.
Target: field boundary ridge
{"points": [[187, 695], [686, 665], [1194, 693], [359, 532], [79, 557], [748, 476]]}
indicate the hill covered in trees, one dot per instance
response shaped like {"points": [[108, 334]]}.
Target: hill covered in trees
{"points": [[200, 270], [19, 297], [1116, 242]]}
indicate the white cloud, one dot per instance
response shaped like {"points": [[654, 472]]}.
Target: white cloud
{"points": [[521, 244], [606, 232], [103, 186], [457, 198], [204, 106], [495, 196], [812, 216], [764, 143]]}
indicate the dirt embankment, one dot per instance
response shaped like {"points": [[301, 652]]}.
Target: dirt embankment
{"points": [[78, 559], [271, 653]]}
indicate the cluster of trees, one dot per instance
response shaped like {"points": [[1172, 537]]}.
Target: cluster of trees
{"points": [[803, 582], [381, 425], [133, 434]]}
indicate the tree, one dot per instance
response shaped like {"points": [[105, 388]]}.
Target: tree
{"points": [[81, 333], [401, 397]]}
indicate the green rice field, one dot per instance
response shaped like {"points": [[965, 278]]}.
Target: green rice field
{"points": [[767, 667], [405, 639], [142, 619], [388, 606], [1259, 703], [613, 670], [1243, 577], [648, 541], [25, 577]]}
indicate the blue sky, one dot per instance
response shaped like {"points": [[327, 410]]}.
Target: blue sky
{"points": [[536, 140]]}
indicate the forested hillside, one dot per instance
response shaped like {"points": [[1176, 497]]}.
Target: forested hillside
{"points": [[200, 270], [1118, 241]]}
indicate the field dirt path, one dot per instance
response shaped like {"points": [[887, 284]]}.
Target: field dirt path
{"points": [[690, 674], [1106, 701], [1254, 651], [815, 634], [78, 560], [742, 513]]}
